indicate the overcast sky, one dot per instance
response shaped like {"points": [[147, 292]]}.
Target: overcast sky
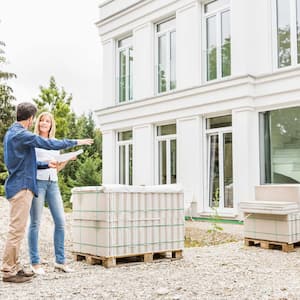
{"points": [[53, 38]]}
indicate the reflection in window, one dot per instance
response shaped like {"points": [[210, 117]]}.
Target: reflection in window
{"points": [[162, 160], [166, 56], [298, 31], [228, 177], [288, 33], [218, 39], [125, 51], [166, 141], [226, 44], [280, 134], [211, 48], [283, 33], [125, 149], [214, 187]]}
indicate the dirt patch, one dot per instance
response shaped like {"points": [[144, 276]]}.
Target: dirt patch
{"points": [[197, 237]]}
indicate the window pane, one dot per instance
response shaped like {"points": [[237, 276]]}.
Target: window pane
{"points": [[122, 78], [122, 165], [130, 165], [162, 62], [283, 33], [211, 48], [170, 24], [217, 122], [125, 135], [125, 42], [173, 160], [228, 178], [226, 45], [215, 5], [282, 146], [214, 189], [173, 60], [298, 31], [162, 162], [166, 129], [130, 79]]}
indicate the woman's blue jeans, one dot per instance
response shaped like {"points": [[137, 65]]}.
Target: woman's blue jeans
{"points": [[49, 192]]}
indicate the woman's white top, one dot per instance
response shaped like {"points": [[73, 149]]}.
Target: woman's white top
{"points": [[46, 156]]}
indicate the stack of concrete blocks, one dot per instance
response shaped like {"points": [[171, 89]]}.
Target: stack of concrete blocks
{"points": [[119, 220], [274, 215]]}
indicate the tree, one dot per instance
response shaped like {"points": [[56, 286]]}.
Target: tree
{"points": [[6, 111], [57, 102]]}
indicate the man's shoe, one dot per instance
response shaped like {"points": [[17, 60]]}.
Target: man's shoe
{"points": [[63, 268], [16, 279], [25, 274]]}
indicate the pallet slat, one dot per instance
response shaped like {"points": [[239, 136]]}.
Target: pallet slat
{"points": [[109, 262], [285, 247]]}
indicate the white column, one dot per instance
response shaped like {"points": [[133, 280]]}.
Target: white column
{"points": [[143, 66], [189, 161], [188, 69], [245, 154], [108, 157], [251, 37], [108, 97], [143, 156]]}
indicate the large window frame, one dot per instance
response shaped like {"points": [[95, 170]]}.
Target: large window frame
{"points": [[220, 133], [279, 145], [168, 169], [124, 157], [217, 12], [287, 43], [169, 55], [124, 82]]}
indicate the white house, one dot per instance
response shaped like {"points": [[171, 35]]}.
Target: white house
{"points": [[201, 93]]}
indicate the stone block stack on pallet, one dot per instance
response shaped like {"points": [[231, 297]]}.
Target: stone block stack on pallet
{"points": [[111, 222], [273, 219]]}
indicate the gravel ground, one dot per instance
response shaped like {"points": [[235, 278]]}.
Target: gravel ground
{"points": [[224, 271]]}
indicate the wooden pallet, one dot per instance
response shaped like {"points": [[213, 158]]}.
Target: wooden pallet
{"points": [[285, 247], [113, 261]]}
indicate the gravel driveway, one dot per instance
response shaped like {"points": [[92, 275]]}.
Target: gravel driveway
{"points": [[226, 271]]}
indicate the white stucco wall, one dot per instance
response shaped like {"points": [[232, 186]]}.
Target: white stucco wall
{"points": [[143, 155], [255, 85]]}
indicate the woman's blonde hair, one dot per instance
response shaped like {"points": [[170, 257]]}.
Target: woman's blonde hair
{"points": [[51, 133]]}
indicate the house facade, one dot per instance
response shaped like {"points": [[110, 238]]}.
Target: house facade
{"points": [[205, 94]]}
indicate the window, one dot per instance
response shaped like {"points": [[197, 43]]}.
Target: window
{"points": [[220, 174], [288, 32], [218, 39], [124, 145], [166, 55], [166, 158], [280, 145], [125, 67]]}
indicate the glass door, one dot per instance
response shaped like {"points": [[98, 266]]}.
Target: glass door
{"points": [[219, 154]]}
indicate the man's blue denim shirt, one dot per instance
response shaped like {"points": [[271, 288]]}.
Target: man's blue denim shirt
{"points": [[20, 160]]}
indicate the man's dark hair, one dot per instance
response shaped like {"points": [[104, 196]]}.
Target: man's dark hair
{"points": [[25, 110]]}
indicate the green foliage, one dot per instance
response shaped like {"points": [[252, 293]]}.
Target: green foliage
{"points": [[58, 103], [7, 112], [88, 171]]}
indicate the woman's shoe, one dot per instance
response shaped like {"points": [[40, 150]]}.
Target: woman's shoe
{"points": [[37, 270], [63, 268]]}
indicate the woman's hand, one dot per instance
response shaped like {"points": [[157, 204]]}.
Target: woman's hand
{"points": [[52, 164], [85, 142]]}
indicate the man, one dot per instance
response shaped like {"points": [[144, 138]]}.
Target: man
{"points": [[20, 186]]}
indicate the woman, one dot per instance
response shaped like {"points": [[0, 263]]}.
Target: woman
{"points": [[48, 189]]}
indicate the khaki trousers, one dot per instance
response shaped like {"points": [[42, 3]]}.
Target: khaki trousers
{"points": [[19, 212]]}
